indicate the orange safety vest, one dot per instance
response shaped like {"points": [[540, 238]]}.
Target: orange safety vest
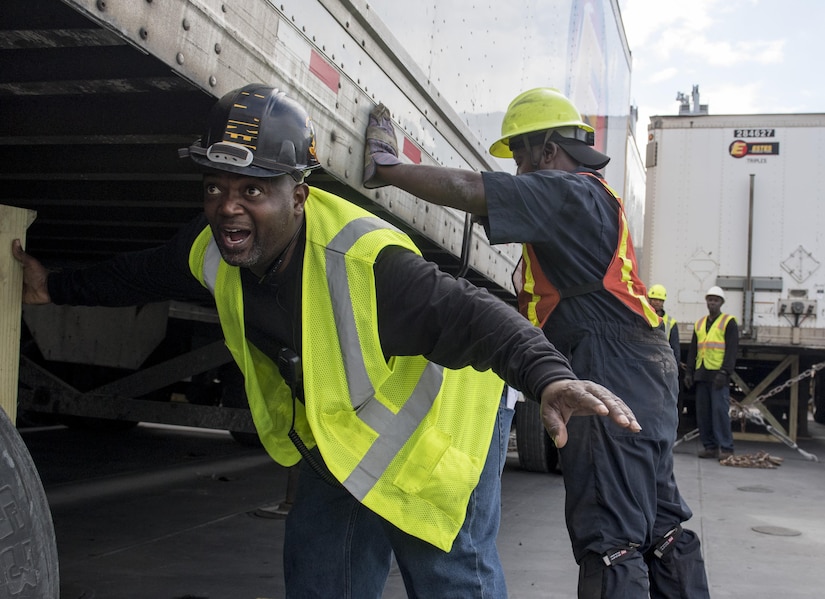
{"points": [[538, 297], [710, 345]]}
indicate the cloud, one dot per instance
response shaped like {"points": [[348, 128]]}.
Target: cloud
{"points": [[726, 46], [647, 19], [702, 32], [727, 54], [734, 98], [662, 75]]}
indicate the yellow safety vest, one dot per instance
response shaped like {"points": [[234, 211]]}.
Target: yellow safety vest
{"points": [[669, 322], [710, 345], [406, 437]]}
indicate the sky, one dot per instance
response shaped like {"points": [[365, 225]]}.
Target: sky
{"points": [[746, 56]]}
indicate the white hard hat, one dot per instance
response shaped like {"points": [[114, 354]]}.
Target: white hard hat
{"points": [[717, 291]]}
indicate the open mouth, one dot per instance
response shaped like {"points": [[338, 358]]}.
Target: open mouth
{"points": [[234, 237]]}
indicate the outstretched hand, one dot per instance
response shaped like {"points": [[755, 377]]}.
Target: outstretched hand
{"points": [[561, 400], [380, 147], [35, 289]]}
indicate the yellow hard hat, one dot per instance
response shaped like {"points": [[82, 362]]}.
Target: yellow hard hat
{"points": [[537, 110], [657, 292]]}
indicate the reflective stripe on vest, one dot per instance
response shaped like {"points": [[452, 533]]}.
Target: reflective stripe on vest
{"points": [[394, 430], [211, 261], [538, 297], [710, 345]]}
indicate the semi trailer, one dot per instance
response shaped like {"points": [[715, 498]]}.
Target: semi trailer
{"points": [[732, 201], [98, 95]]}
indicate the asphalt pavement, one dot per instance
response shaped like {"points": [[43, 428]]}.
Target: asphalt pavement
{"points": [[173, 513]]}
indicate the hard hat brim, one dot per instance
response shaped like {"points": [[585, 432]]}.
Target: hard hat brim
{"points": [[582, 153]]}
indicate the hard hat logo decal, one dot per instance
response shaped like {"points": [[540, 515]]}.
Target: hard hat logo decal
{"points": [[241, 132], [311, 148], [243, 124]]}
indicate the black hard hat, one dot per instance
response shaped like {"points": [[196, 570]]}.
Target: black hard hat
{"points": [[257, 131]]}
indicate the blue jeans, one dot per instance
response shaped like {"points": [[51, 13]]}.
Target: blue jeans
{"points": [[334, 547], [713, 416]]}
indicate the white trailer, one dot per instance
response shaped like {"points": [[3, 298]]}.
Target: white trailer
{"points": [[99, 94], [733, 201]]}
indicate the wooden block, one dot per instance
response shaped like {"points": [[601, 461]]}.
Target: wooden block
{"points": [[13, 225]]}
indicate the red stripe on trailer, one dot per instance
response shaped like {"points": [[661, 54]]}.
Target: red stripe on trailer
{"points": [[599, 123], [327, 73], [411, 151]]}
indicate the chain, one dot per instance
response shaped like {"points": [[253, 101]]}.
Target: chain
{"points": [[779, 388], [751, 412]]}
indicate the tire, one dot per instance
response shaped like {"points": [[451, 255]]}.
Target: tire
{"points": [[819, 402], [29, 568], [536, 450], [687, 412]]}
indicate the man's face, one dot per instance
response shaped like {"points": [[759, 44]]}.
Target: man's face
{"points": [[657, 304], [252, 219], [524, 162], [539, 157], [714, 303]]}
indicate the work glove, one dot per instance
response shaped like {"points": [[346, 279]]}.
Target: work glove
{"points": [[720, 380], [380, 147], [688, 380]]}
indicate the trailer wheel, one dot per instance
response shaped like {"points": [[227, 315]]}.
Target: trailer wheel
{"points": [[536, 450], [29, 568], [819, 402]]}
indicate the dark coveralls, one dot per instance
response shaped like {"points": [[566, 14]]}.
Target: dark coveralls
{"points": [[621, 495]]}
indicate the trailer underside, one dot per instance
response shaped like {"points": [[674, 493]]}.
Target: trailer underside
{"points": [[91, 125]]}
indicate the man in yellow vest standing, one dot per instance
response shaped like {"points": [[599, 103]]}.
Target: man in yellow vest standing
{"points": [[710, 362], [329, 312], [657, 295], [578, 281]]}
